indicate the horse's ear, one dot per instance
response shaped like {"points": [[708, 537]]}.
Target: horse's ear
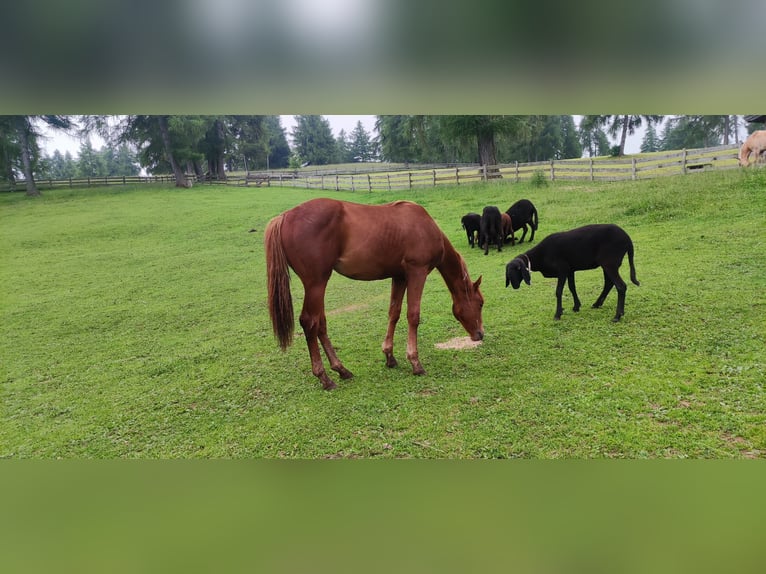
{"points": [[477, 283]]}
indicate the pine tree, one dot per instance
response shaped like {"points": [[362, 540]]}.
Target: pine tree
{"points": [[651, 142], [313, 141]]}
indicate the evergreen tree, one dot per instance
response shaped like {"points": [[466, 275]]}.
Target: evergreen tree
{"points": [[651, 141], [570, 141], [89, 163], [279, 149], [313, 141], [360, 146], [345, 155]]}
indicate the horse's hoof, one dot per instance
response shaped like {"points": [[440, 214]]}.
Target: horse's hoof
{"points": [[391, 362], [328, 385], [345, 373]]}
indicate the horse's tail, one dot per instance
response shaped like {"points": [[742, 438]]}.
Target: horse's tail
{"points": [[278, 273], [630, 262]]}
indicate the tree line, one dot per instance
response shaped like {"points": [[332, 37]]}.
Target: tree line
{"points": [[209, 147]]}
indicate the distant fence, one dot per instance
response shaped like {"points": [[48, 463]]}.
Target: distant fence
{"points": [[380, 178], [589, 169]]}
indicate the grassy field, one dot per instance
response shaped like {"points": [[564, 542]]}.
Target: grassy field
{"points": [[134, 325]]}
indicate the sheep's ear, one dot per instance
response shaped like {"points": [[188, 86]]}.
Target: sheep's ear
{"points": [[507, 274], [525, 275]]}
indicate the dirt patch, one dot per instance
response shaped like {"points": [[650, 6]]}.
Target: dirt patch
{"points": [[458, 343], [347, 309]]}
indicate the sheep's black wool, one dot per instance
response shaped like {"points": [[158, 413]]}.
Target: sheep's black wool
{"points": [[561, 254]]}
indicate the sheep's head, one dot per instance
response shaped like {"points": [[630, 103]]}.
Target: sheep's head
{"points": [[515, 271]]}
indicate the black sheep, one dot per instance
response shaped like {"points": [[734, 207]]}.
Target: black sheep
{"points": [[491, 228], [523, 213], [471, 223], [561, 254]]}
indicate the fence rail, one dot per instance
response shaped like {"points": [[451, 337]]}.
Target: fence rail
{"points": [[589, 169]]}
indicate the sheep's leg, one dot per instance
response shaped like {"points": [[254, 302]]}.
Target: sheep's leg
{"points": [[559, 292], [608, 284], [613, 273], [572, 289], [523, 233]]}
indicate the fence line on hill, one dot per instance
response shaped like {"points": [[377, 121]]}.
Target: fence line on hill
{"points": [[589, 169]]}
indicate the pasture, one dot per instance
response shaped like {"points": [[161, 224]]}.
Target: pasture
{"points": [[134, 325]]}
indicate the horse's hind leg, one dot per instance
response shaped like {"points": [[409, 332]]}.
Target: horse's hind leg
{"points": [[312, 317], [329, 350]]}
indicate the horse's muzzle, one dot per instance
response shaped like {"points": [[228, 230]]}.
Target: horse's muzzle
{"points": [[477, 336]]}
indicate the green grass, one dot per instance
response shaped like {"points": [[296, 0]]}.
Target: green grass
{"points": [[134, 325]]}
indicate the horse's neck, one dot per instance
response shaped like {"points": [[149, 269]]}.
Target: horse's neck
{"points": [[453, 270]]}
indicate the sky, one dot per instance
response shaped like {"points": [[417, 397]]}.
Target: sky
{"points": [[65, 143]]}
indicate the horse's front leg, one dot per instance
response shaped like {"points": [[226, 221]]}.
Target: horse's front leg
{"points": [[415, 286], [398, 286]]}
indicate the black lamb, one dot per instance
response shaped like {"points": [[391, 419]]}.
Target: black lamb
{"points": [[523, 213], [471, 223], [561, 254], [491, 230]]}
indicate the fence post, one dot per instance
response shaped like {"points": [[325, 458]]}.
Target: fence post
{"points": [[388, 176], [633, 165], [336, 183], [457, 175], [434, 178], [591, 168], [553, 176], [517, 171], [683, 162], [369, 182], [484, 173], [409, 177]]}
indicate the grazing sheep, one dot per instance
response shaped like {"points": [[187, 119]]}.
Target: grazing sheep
{"points": [[523, 213], [491, 229], [561, 254], [471, 223], [508, 228]]}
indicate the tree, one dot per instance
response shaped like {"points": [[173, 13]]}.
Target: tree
{"points": [[166, 142], [89, 162], [360, 146], [592, 137], [570, 140], [624, 125], [278, 148], [686, 132], [483, 130], [313, 140], [651, 141], [345, 155], [20, 148]]}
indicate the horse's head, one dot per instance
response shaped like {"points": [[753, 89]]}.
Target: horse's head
{"points": [[467, 310]]}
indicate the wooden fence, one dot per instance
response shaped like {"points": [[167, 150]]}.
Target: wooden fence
{"points": [[588, 169]]}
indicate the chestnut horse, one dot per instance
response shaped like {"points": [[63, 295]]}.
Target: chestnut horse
{"points": [[398, 240], [754, 144]]}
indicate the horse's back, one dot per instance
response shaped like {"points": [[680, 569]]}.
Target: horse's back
{"points": [[361, 241]]}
